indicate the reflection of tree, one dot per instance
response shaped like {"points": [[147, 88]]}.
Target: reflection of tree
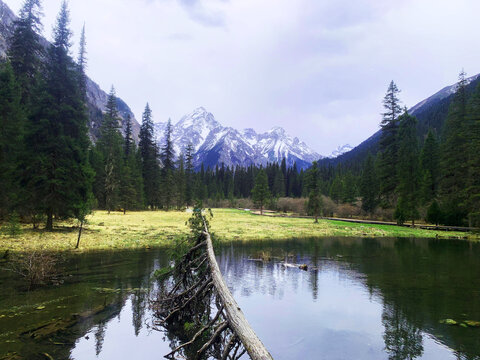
{"points": [[139, 303], [99, 337], [403, 340]]}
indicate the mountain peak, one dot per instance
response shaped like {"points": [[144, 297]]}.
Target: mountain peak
{"points": [[215, 144], [199, 118], [277, 130], [340, 151]]}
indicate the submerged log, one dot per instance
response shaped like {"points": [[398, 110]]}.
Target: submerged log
{"points": [[196, 287], [239, 324]]}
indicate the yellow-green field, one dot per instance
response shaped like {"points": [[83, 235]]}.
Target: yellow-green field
{"points": [[149, 229]]}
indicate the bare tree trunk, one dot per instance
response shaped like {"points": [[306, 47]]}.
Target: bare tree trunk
{"points": [[79, 235], [49, 225], [236, 318]]}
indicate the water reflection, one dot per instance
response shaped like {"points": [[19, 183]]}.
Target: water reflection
{"points": [[402, 339], [360, 298]]}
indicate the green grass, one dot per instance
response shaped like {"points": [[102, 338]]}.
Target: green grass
{"points": [[150, 229]]}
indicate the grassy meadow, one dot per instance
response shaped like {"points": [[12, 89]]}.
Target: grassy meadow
{"points": [[150, 229]]}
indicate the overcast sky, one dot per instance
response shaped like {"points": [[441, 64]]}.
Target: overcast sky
{"points": [[318, 68]]}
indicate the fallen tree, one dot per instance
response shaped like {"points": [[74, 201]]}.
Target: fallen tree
{"points": [[194, 299]]}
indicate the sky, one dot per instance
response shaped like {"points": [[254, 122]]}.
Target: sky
{"points": [[318, 68]]}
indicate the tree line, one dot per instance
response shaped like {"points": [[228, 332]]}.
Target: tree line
{"points": [[50, 169], [438, 173]]}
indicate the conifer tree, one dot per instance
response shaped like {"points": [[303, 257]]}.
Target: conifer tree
{"points": [[149, 156], [167, 156], [180, 183], [472, 191], [131, 184], [261, 192], [388, 146], [278, 184], [369, 186], [293, 182], [127, 189], [128, 143], [349, 189], [110, 146], [315, 201], [434, 213], [454, 158], [189, 175], [429, 168], [12, 122], [59, 175], [82, 62], [408, 169], [25, 51], [336, 189]]}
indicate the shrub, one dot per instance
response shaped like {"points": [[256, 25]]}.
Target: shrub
{"points": [[37, 267], [294, 205], [329, 207], [348, 211], [245, 203]]}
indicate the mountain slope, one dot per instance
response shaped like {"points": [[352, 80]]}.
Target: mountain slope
{"points": [[215, 144], [96, 97], [431, 113]]}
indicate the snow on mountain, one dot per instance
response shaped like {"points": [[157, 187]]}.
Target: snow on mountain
{"points": [[215, 144], [442, 94], [340, 151]]}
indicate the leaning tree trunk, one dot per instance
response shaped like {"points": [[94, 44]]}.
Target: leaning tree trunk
{"points": [[235, 317], [198, 286], [79, 235]]}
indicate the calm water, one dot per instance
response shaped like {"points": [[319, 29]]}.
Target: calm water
{"points": [[360, 299]]}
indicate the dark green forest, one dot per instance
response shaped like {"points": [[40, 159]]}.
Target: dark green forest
{"points": [[51, 169]]}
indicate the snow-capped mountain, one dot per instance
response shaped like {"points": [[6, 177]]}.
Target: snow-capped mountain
{"points": [[340, 151], [215, 144]]}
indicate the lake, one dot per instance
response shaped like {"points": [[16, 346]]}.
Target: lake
{"points": [[359, 299]]}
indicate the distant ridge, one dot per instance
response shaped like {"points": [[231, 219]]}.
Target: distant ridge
{"points": [[431, 113], [215, 144], [96, 97]]}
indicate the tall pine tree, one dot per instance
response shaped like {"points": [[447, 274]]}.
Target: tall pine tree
{"points": [[110, 145], [149, 156], [59, 175], [472, 191], [168, 170], [261, 192], [82, 62], [189, 175], [408, 169], [12, 123], [25, 50], [315, 201], [454, 158], [429, 168], [388, 146]]}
